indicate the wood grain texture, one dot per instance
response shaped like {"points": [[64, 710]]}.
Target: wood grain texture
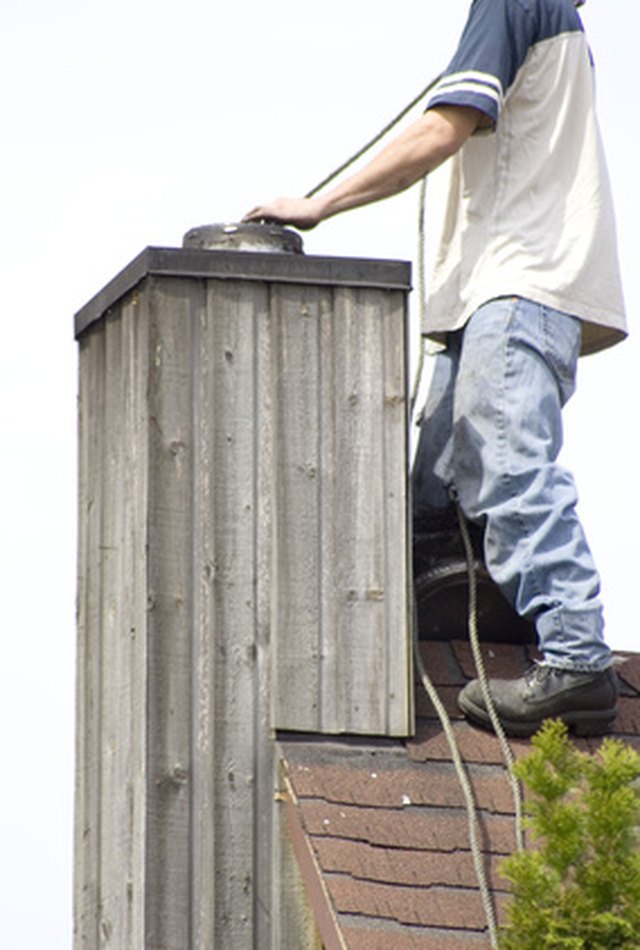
{"points": [[242, 569], [341, 653]]}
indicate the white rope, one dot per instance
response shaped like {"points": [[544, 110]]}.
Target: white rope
{"points": [[443, 716], [472, 619], [471, 806], [374, 141], [422, 295], [467, 791], [474, 639]]}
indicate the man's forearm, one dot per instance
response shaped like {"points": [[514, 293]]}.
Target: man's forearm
{"points": [[416, 152], [413, 154]]}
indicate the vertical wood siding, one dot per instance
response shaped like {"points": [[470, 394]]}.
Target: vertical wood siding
{"points": [[242, 569], [341, 657]]}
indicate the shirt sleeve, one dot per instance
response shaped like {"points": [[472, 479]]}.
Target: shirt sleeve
{"points": [[493, 46]]}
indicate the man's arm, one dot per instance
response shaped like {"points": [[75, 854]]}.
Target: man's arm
{"points": [[424, 145]]}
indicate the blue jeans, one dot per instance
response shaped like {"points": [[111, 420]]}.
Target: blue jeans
{"points": [[492, 430]]}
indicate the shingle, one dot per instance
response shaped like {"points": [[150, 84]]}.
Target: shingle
{"points": [[435, 907], [628, 721], [504, 660], [407, 866], [629, 670], [424, 829], [386, 820], [448, 696], [410, 938], [441, 664], [476, 745], [398, 788]]}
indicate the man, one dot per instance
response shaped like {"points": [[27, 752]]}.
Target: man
{"points": [[525, 279]]}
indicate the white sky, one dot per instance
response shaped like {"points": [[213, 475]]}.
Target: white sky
{"points": [[125, 124]]}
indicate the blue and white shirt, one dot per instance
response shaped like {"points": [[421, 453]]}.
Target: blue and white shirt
{"points": [[529, 211]]}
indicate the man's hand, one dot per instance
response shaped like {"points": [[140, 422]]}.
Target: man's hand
{"points": [[424, 145], [302, 213]]}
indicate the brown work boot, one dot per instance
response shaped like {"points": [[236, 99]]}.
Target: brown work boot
{"points": [[586, 702]]}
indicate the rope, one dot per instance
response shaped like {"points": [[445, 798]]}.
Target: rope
{"points": [[471, 805], [474, 639], [445, 721], [374, 141], [421, 219], [422, 294], [465, 784], [443, 716]]}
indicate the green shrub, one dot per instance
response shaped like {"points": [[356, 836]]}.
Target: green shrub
{"points": [[578, 885]]}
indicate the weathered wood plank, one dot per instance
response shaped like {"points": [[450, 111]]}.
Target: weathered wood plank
{"points": [[110, 634], [359, 574], [114, 736], [235, 316], [133, 588], [264, 751], [168, 688], [204, 726], [397, 555], [294, 923], [87, 793], [297, 314], [341, 652]]}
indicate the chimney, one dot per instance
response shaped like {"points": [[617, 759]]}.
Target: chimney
{"points": [[243, 567]]}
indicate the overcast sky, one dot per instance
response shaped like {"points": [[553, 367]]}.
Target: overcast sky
{"points": [[124, 125]]}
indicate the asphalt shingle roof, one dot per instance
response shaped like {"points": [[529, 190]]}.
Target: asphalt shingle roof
{"points": [[384, 821]]}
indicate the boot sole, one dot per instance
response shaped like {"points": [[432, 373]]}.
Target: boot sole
{"points": [[580, 722]]}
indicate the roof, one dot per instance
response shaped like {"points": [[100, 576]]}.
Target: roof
{"points": [[380, 828]]}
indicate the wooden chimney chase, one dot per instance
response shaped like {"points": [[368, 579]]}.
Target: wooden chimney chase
{"points": [[243, 569]]}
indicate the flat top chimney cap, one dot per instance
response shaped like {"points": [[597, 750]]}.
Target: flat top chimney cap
{"points": [[226, 264]]}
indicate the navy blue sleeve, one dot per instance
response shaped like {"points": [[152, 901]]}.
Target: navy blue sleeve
{"points": [[494, 44]]}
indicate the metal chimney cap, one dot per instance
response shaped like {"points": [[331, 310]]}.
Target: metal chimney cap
{"points": [[268, 238]]}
